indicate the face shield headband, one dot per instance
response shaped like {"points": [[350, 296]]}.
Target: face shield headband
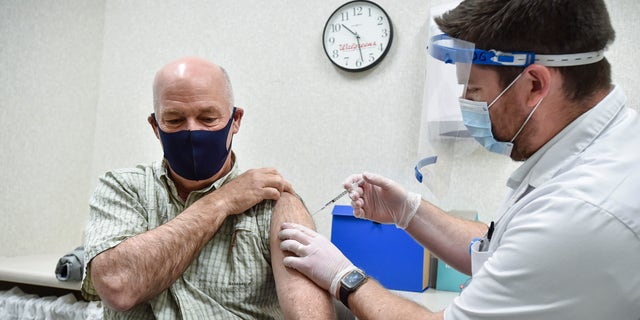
{"points": [[452, 50]]}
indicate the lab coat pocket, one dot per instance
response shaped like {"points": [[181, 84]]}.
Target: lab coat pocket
{"points": [[478, 258]]}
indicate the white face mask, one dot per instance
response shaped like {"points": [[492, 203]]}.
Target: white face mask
{"points": [[475, 116]]}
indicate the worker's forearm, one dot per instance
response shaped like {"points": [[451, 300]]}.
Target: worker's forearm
{"points": [[142, 266], [444, 235], [372, 301]]}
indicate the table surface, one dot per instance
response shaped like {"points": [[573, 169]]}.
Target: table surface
{"points": [[434, 300], [38, 269]]}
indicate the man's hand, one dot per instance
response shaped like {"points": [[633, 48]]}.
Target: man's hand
{"points": [[250, 188]]}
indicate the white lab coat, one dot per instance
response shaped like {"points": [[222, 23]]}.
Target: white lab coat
{"points": [[567, 244]]}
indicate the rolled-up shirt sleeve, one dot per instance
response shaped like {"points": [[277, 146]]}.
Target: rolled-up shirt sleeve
{"points": [[116, 213]]}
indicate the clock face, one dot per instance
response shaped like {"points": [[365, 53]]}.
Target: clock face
{"points": [[357, 36]]}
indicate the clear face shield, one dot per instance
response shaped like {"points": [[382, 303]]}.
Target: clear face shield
{"points": [[443, 136], [453, 59], [443, 132]]}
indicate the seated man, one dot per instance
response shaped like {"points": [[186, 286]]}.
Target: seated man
{"points": [[190, 237]]}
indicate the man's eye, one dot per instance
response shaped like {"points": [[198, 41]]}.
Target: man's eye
{"points": [[471, 93], [172, 121], [208, 120]]}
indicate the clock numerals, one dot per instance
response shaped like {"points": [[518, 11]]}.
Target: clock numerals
{"points": [[354, 12], [358, 11], [357, 36], [358, 62]]}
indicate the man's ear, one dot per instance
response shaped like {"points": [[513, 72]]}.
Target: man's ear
{"points": [[154, 125], [540, 79], [237, 118]]}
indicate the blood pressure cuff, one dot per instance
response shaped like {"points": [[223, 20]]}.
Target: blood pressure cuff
{"points": [[71, 265]]}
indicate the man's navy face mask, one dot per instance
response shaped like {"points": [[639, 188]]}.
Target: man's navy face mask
{"points": [[197, 154]]}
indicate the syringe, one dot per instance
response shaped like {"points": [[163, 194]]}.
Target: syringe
{"points": [[338, 197]]}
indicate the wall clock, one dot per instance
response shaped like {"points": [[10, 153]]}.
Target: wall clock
{"points": [[357, 36]]}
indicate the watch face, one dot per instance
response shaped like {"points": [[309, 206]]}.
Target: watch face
{"points": [[352, 279], [357, 36]]}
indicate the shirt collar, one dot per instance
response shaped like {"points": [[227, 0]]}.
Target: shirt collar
{"points": [[569, 142]]}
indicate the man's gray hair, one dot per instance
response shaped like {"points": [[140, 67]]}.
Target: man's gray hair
{"points": [[228, 89]]}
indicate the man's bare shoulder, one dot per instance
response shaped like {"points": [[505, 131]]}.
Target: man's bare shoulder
{"points": [[291, 208]]}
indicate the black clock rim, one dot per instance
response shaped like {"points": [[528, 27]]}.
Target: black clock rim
{"points": [[384, 53]]}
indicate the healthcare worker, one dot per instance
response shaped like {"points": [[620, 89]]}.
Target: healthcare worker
{"points": [[566, 244]]}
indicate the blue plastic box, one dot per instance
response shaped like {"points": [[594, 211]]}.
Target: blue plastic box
{"points": [[383, 251]]}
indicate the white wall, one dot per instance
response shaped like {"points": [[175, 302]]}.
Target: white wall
{"points": [[50, 57], [75, 91]]}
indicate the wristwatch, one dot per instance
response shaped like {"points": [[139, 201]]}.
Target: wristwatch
{"points": [[349, 283]]}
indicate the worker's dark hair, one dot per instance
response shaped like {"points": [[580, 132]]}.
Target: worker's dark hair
{"points": [[542, 27]]}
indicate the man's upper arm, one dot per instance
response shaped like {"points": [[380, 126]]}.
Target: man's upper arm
{"points": [[299, 297]]}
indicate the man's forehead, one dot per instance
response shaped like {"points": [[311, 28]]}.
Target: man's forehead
{"points": [[192, 89], [482, 75], [205, 108]]}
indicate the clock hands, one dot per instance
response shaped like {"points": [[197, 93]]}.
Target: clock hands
{"points": [[357, 40], [355, 34], [359, 49]]}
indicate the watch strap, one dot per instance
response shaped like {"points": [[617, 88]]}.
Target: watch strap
{"points": [[344, 296]]}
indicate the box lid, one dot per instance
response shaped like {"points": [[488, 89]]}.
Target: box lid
{"points": [[342, 210]]}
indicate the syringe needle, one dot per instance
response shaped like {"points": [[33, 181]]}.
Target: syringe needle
{"points": [[338, 197], [313, 214], [330, 202]]}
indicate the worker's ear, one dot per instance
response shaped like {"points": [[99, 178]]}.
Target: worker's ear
{"points": [[237, 118], [154, 125], [539, 77]]}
